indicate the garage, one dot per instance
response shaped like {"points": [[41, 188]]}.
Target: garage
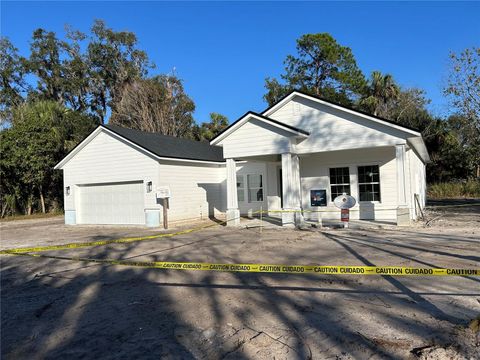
{"points": [[112, 203]]}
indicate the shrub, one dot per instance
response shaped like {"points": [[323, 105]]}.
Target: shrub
{"points": [[467, 189]]}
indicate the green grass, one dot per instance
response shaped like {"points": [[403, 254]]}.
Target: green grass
{"points": [[454, 190], [28, 217]]}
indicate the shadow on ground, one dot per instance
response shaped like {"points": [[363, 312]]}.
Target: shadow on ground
{"points": [[55, 309]]}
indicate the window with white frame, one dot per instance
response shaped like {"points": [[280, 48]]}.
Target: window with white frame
{"points": [[369, 183], [255, 187], [241, 188], [339, 181]]}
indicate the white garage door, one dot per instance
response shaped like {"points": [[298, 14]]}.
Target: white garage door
{"points": [[117, 203]]}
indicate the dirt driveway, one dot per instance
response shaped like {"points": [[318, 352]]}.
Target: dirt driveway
{"points": [[59, 309]]}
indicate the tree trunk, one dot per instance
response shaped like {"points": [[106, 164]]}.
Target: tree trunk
{"points": [[29, 205], [42, 200]]}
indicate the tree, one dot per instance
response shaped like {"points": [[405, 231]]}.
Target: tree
{"points": [[276, 91], [208, 130], [463, 88], [84, 73], [46, 63], [380, 92], [41, 134], [78, 78], [464, 84], [321, 67], [159, 104], [114, 61], [13, 84], [451, 160]]}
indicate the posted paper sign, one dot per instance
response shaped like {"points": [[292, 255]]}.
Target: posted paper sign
{"points": [[318, 197], [163, 192]]}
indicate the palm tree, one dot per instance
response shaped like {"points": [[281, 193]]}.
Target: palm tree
{"points": [[380, 92]]}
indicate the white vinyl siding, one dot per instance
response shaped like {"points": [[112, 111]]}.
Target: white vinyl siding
{"points": [[417, 183], [256, 138], [196, 189], [332, 129], [314, 173], [108, 159], [121, 203]]}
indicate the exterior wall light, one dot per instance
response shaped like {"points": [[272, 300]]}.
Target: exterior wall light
{"points": [[67, 190], [149, 186]]}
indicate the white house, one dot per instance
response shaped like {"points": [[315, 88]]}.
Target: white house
{"points": [[297, 155]]}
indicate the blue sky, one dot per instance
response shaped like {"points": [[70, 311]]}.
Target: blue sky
{"points": [[224, 50]]}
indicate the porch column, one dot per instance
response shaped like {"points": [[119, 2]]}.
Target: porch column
{"points": [[291, 190], [403, 212], [233, 213]]}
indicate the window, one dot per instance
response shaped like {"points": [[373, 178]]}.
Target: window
{"points": [[369, 183], [240, 188], [339, 181], [255, 187]]}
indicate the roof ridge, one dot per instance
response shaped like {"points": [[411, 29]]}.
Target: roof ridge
{"points": [[168, 146], [158, 134], [280, 122], [361, 112]]}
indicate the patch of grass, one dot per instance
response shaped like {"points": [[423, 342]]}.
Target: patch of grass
{"points": [[33, 216], [454, 190]]}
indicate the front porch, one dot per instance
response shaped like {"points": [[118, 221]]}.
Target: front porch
{"points": [[274, 222], [281, 185], [312, 152]]}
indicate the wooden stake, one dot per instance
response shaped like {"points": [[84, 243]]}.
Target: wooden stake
{"points": [[165, 213], [261, 218], [419, 206]]}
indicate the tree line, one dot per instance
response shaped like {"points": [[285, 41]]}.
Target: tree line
{"points": [[52, 99], [325, 68]]}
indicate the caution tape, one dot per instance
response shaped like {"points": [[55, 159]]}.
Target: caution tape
{"points": [[328, 210], [78, 245], [273, 268], [101, 242]]}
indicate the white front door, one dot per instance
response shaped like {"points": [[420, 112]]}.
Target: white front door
{"points": [[113, 203]]}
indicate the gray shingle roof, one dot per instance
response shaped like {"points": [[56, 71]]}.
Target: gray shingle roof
{"points": [[170, 146]]}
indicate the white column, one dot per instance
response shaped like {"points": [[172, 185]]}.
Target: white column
{"points": [[291, 189], [233, 213], [403, 212], [401, 189]]}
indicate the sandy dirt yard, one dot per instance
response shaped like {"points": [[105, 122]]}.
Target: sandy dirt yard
{"points": [[57, 309]]}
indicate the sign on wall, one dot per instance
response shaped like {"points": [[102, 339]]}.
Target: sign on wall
{"points": [[318, 197]]}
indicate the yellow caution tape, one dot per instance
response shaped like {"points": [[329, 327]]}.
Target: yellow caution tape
{"points": [[142, 238], [101, 242], [274, 268], [79, 245]]}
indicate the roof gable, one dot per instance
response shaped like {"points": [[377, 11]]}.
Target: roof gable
{"points": [[412, 136], [288, 98], [156, 145], [252, 116]]}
